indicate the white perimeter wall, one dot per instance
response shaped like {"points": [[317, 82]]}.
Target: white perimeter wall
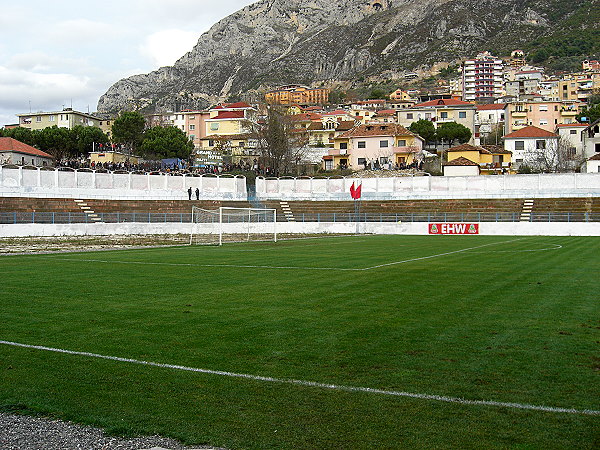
{"points": [[20, 182], [426, 187], [413, 228]]}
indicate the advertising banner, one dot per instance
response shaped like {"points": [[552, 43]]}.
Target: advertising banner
{"points": [[453, 228]]}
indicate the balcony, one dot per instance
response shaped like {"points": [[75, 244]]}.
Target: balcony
{"points": [[519, 113]]}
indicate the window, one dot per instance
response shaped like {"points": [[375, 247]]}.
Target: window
{"points": [[192, 127], [343, 145], [383, 144], [409, 116], [214, 126], [597, 147], [38, 119], [572, 131], [543, 107], [52, 118], [540, 145], [361, 144], [241, 144], [362, 161], [401, 142], [519, 145], [192, 117], [543, 122], [443, 115], [463, 115], [383, 160], [211, 143]]}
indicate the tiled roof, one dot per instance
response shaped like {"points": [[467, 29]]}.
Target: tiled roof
{"points": [[498, 149], [468, 148], [443, 102], [461, 161], [491, 107], [531, 132], [8, 144], [595, 158], [386, 112], [337, 112], [570, 125], [306, 117], [388, 129], [229, 115]]}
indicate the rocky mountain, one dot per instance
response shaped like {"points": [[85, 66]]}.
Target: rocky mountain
{"points": [[275, 42]]}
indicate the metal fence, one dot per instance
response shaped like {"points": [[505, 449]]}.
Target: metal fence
{"points": [[154, 217]]}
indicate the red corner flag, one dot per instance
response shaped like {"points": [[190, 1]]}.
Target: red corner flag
{"points": [[355, 191]]}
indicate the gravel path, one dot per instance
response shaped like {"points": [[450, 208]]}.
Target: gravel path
{"points": [[35, 433]]}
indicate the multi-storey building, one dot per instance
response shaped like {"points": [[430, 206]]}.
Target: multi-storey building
{"points": [[545, 115], [67, 118], [374, 145], [482, 78], [579, 86], [488, 119], [297, 95], [440, 111]]}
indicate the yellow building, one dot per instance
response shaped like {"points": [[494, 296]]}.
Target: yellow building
{"points": [[492, 159], [67, 118], [297, 95], [113, 157]]}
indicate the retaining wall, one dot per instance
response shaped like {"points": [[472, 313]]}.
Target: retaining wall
{"points": [[88, 184], [416, 228], [427, 187]]}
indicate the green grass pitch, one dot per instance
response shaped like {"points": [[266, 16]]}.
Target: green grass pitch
{"points": [[504, 319]]}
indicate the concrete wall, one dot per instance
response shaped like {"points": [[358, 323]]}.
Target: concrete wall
{"points": [[416, 228], [424, 187], [87, 184]]}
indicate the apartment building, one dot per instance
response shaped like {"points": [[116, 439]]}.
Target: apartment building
{"points": [[545, 115], [482, 78], [296, 94], [67, 118]]}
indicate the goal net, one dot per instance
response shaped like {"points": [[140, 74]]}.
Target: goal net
{"points": [[229, 224]]}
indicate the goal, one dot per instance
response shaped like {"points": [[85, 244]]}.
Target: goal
{"points": [[229, 224]]}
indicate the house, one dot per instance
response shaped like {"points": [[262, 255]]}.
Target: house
{"points": [[489, 118], [591, 139], [491, 159], [321, 134], [529, 141], [440, 111], [16, 152], [461, 167], [571, 138], [592, 165], [67, 118], [384, 116], [375, 146]]}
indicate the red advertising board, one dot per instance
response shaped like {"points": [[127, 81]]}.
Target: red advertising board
{"points": [[453, 228]]}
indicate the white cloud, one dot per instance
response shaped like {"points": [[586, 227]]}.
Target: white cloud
{"points": [[167, 46]]}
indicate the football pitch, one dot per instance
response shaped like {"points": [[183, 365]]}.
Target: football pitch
{"points": [[338, 342]]}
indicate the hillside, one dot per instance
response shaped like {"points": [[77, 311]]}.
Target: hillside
{"points": [[274, 42]]}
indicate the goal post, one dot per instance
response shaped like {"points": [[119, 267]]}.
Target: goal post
{"points": [[232, 224]]}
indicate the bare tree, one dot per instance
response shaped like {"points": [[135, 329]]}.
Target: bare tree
{"points": [[279, 144], [557, 156]]}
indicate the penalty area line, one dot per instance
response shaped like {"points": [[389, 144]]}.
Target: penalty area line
{"points": [[334, 387]]}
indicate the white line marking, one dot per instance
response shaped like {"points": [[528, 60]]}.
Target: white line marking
{"points": [[336, 387], [556, 247], [439, 254], [246, 266]]}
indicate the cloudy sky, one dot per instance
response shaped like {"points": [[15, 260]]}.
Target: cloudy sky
{"points": [[68, 53]]}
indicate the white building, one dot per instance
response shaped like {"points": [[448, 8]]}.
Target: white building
{"points": [[528, 141], [591, 139], [482, 77], [16, 152]]}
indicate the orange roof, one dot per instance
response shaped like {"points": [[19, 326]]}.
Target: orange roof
{"points": [[337, 112], [386, 112], [491, 107], [569, 125], [443, 102], [461, 161], [531, 132], [8, 144], [229, 115]]}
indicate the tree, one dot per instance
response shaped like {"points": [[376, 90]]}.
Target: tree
{"points": [[424, 128], [166, 142], [280, 146], [452, 131], [128, 129], [377, 94], [559, 156], [57, 141], [591, 113], [84, 139], [495, 136]]}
